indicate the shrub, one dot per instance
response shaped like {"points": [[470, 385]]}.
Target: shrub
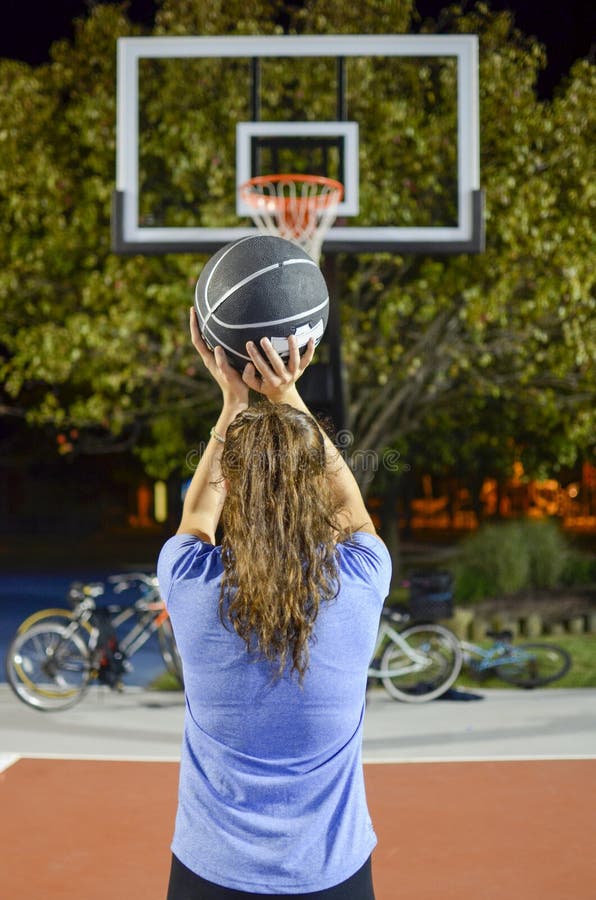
{"points": [[472, 585], [580, 568], [509, 557], [548, 550]]}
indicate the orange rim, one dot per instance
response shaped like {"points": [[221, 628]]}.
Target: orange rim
{"points": [[254, 198]]}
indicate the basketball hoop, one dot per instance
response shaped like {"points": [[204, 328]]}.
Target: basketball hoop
{"points": [[300, 208]]}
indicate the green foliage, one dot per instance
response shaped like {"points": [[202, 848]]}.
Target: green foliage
{"points": [[494, 560], [492, 353], [466, 361], [505, 558], [165, 682], [473, 584], [91, 340], [547, 549], [580, 568]]}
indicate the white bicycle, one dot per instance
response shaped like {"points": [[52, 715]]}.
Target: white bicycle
{"points": [[417, 663]]}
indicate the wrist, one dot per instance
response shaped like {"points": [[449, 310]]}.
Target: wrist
{"points": [[230, 409], [287, 395], [293, 398], [232, 406]]}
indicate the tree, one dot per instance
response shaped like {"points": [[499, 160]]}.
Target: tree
{"points": [[512, 328], [437, 350], [92, 340]]}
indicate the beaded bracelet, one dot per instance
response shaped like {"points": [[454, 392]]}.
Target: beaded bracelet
{"points": [[217, 436]]}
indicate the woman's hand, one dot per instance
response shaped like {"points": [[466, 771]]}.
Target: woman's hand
{"points": [[233, 388], [277, 379]]}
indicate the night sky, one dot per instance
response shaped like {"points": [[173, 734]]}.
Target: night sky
{"points": [[566, 27]]}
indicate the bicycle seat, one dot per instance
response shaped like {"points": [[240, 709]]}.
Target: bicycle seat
{"points": [[506, 635]]}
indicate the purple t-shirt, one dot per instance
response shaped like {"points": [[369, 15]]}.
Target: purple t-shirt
{"points": [[271, 796]]}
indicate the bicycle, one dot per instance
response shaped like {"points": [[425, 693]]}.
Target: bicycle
{"points": [[57, 654], [526, 665], [414, 664]]}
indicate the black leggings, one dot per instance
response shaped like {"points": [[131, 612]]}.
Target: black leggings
{"points": [[185, 885]]}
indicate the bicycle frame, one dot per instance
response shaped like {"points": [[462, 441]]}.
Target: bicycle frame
{"points": [[419, 661], [138, 636], [133, 640], [150, 609], [499, 653]]}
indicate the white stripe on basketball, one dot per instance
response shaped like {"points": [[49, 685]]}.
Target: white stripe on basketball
{"points": [[232, 290], [240, 284], [233, 246], [306, 314], [251, 237], [280, 344], [247, 280], [291, 262], [219, 343]]}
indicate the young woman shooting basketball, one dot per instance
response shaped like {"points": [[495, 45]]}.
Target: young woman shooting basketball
{"points": [[276, 627]]}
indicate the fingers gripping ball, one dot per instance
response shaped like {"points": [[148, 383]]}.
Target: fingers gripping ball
{"points": [[260, 286]]}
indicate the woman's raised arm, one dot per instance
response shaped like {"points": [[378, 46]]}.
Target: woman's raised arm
{"points": [[206, 494]]}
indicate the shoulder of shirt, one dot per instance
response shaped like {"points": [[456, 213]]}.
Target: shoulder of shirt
{"points": [[179, 553], [364, 537], [366, 541], [183, 540]]}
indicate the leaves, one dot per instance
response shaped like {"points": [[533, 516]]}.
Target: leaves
{"points": [[458, 361]]}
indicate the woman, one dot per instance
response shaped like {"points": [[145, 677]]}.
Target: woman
{"points": [[276, 628]]}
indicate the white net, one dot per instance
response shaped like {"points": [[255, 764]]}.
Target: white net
{"points": [[300, 208]]}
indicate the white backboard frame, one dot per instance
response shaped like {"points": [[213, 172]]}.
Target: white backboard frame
{"points": [[348, 131], [466, 236]]}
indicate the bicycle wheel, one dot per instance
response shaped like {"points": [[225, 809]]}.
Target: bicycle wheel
{"points": [[48, 666], [430, 670], [534, 665], [60, 616], [169, 651]]}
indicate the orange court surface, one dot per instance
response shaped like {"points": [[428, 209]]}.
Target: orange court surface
{"points": [[87, 829]]}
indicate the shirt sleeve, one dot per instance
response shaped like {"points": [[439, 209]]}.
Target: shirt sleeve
{"points": [[180, 556], [366, 556]]}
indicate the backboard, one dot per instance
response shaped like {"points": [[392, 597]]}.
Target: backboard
{"points": [[393, 117]]}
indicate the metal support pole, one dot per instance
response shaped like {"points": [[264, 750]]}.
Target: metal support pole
{"points": [[333, 335], [342, 104], [255, 88], [255, 104]]}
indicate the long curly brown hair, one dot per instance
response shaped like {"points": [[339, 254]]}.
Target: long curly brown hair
{"points": [[280, 530]]}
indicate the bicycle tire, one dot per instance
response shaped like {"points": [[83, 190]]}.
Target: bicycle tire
{"points": [[546, 663], [47, 667], [61, 616], [441, 647], [169, 651]]}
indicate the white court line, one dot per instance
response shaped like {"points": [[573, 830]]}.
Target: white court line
{"points": [[475, 759], [7, 760], [99, 757]]}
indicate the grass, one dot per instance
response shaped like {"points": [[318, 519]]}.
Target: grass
{"points": [[582, 673], [165, 682]]}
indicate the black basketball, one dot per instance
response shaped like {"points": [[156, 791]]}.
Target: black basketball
{"points": [[260, 286]]}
